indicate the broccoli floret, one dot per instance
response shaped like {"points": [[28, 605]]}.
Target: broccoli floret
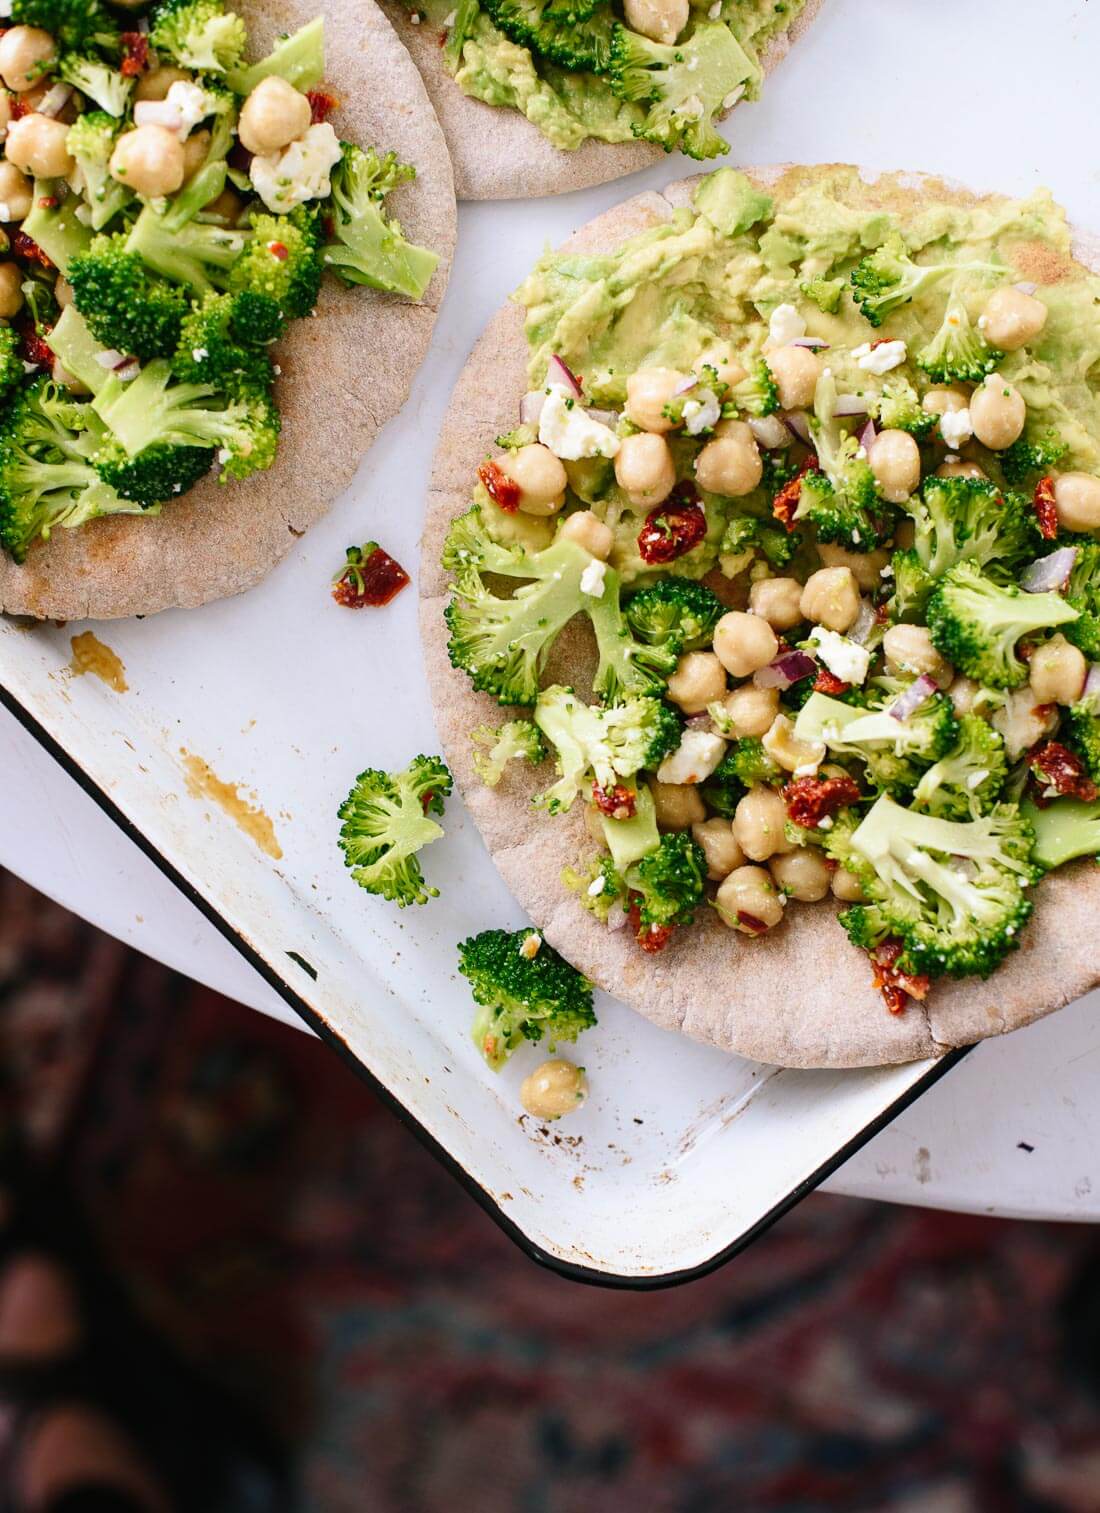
{"points": [[971, 519], [758, 392], [601, 746], [684, 86], [215, 347], [677, 613], [190, 253], [826, 293], [975, 624], [298, 58], [1082, 728], [199, 34], [576, 38], [890, 277], [72, 23], [969, 779], [279, 272], [468, 544], [522, 996], [839, 496], [98, 81], [895, 751], [153, 411], [386, 820], [91, 141], [155, 476], [11, 361], [1064, 830], [514, 741], [913, 586], [366, 247], [1027, 457], [951, 890], [667, 884], [744, 764], [899, 409], [1083, 593], [46, 478], [599, 886], [746, 536], [958, 353], [125, 306]]}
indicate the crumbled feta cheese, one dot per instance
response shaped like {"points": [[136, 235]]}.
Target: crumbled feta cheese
{"points": [[5, 211], [825, 823], [809, 768], [955, 427], [224, 454], [529, 946], [190, 103], [449, 19], [696, 757], [5, 8], [702, 414], [881, 358], [596, 888], [299, 172], [592, 578], [715, 10], [566, 427], [843, 657], [199, 353], [785, 325], [976, 779], [416, 18], [692, 109]]}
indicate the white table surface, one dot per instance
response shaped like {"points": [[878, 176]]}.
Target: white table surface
{"points": [[1013, 1130]]}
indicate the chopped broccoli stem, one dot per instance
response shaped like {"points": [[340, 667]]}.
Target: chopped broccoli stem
{"points": [[386, 821], [193, 254], [1064, 830], [76, 347], [54, 226], [298, 58]]}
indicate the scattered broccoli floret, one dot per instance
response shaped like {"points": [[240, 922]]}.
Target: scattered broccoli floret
{"points": [[155, 476], [386, 820], [278, 274], [667, 884], [520, 996], [366, 247], [298, 58], [125, 306], [1064, 830], [758, 392], [895, 751], [976, 624], [969, 779], [73, 23], [684, 86], [91, 141], [11, 361], [899, 409], [952, 890], [599, 886], [186, 252], [215, 347], [913, 586], [958, 352], [1082, 727], [677, 613], [199, 34], [514, 741], [1083, 593], [576, 38], [839, 496], [744, 764], [826, 293], [890, 277], [98, 80], [601, 746], [1025, 458]]}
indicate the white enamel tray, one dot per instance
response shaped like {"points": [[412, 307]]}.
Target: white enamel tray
{"points": [[682, 1154]]}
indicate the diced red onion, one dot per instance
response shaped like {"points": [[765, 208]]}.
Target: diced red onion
{"points": [[685, 385], [143, 26], [616, 917], [769, 431], [558, 372], [1049, 572], [867, 436], [865, 623], [1091, 689], [809, 341], [789, 667], [850, 404], [128, 370], [797, 424], [55, 99], [530, 407], [918, 693], [609, 418], [110, 359], [1026, 287]]}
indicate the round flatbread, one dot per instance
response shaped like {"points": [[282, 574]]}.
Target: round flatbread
{"points": [[345, 372], [499, 155], [801, 996]]}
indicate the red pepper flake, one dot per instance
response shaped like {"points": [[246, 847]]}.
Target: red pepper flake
{"points": [[321, 105], [501, 489], [810, 800], [896, 986], [750, 923], [1045, 510], [1053, 766], [828, 682], [786, 501], [23, 246], [17, 108], [427, 800], [618, 802], [35, 349], [371, 576], [278, 251], [674, 527], [651, 938], [135, 54], [48, 202]]}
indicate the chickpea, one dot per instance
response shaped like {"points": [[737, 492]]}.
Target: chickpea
{"points": [[847, 887], [784, 747], [195, 150], [802, 874], [540, 476], [997, 413], [751, 710], [748, 899], [678, 805], [660, 20], [158, 81], [895, 461], [699, 679], [1057, 672], [796, 371], [589, 531], [647, 393], [905, 533], [963, 691], [729, 370], [831, 598], [759, 823], [866, 567], [944, 401], [26, 53], [227, 206], [960, 469], [149, 160], [16, 193], [1077, 501], [555, 1088], [644, 469], [731, 463], [778, 601], [1012, 318], [62, 291], [5, 113], [37, 145], [274, 115], [744, 643], [909, 649], [11, 290], [719, 847]]}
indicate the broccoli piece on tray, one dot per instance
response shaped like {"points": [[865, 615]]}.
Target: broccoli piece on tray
{"points": [[890, 277], [278, 274], [522, 995], [1027, 457], [386, 821], [969, 779]]}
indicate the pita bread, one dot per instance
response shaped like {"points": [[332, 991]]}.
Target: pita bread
{"points": [[345, 372], [499, 155], [800, 996]]}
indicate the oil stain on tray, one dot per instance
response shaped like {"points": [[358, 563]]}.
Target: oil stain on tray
{"points": [[91, 655], [204, 782]]}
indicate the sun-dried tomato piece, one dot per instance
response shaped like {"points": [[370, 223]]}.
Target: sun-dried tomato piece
{"points": [[810, 800], [17, 108], [321, 105], [786, 500], [135, 54], [278, 251], [828, 682], [501, 489], [1056, 768], [34, 347], [618, 802], [750, 923], [651, 938], [673, 528], [896, 986], [25, 247], [1046, 513], [370, 577]]}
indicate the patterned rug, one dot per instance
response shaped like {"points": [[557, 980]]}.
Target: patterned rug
{"points": [[296, 1243]]}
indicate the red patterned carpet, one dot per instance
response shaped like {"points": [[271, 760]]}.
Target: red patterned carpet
{"points": [[295, 1242]]}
